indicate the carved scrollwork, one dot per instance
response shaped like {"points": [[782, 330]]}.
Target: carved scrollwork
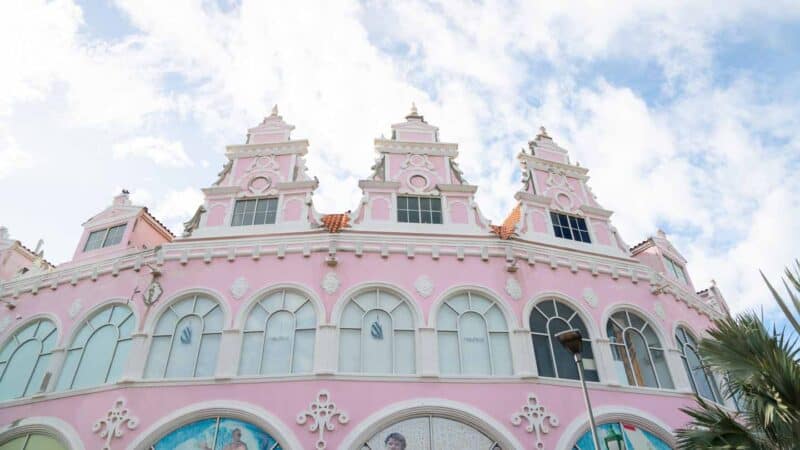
{"points": [[111, 426], [539, 420], [322, 411]]}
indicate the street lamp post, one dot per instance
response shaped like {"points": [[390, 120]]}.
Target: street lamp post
{"points": [[572, 341]]}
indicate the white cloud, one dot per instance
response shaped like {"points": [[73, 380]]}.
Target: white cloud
{"points": [[12, 158], [178, 204], [161, 151]]}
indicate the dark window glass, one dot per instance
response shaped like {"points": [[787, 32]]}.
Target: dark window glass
{"points": [[547, 319], [255, 212], [104, 238], [570, 227], [419, 209]]}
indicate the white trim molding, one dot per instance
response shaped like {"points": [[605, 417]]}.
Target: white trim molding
{"points": [[50, 426]]}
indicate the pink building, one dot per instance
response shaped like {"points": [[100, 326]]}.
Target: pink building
{"points": [[408, 322]]}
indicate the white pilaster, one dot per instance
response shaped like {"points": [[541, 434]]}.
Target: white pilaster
{"points": [[523, 353], [428, 354], [326, 350], [679, 376], [54, 368], [230, 349], [137, 358], [605, 362]]}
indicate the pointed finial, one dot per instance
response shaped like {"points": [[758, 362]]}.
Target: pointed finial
{"points": [[275, 110], [713, 282], [414, 109], [542, 132]]}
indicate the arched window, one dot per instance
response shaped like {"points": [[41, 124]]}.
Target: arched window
{"points": [[703, 382], [217, 433], [98, 352], [279, 335], [473, 337], [186, 339], [548, 318], [430, 432], [377, 334], [638, 355], [24, 359], [33, 441], [622, 435]]}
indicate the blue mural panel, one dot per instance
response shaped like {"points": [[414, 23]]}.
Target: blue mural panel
{"points": [[631, 436], [217, 434]]}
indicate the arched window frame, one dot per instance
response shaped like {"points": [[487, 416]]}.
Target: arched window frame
{"points": [[440, 330], [687, 343], [267, 298], [574, 319], [39, 368], [194, 297], [88, 322], [623, 348], [351, 300]]}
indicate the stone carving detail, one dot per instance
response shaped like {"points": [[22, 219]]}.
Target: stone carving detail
{"points": [[513, 288], [321, 412], [424, 285], [239, 288], [111, 427], [539, 420], [659, 309], [330, 283], [590, 297], [74, 308]]}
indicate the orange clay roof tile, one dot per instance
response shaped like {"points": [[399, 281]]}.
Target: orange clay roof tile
{"points": [[335, 222], [506, 230]]}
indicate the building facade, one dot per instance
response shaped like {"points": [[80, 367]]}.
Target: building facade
{"points": [[408, 322]]}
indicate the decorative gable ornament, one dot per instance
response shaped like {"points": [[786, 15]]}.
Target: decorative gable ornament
{"points": [[513, 288], [330, 282], [539, 420], [239, 288], [424, 285], [322, 411], [112, 426], [153, 293], [75, 308]]}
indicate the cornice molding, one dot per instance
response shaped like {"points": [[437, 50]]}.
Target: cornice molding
{"points": [[416, 148], [376, 184], [594, 211], [221, 190], [297, 185], [466, 188], [544, 164], [540, 200], [384, 244], [298, 147]]}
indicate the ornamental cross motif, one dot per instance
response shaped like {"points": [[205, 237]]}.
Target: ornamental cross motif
{"points": [[111, 426], [537, 417], [322, 411]]}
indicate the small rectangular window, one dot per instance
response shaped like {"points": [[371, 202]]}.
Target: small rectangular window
{"points": [[675, 270], [419, 209], [259, 211], [104, 238], [570, 227]]}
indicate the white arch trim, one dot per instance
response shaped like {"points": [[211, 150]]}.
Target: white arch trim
{"points": [[613, 413], [50, 426], [217, 408], [155, 314], [80, 321], [461, 412], [511, 319], [13, 328], [244, 311], [585, 315], [338, 308]]}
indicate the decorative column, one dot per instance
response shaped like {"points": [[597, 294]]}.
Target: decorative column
{"points": [[523, 353], [604, 360], [230, 349], [325, 350], [428, 355], [678, 372], [54, 369], [137, 358]]}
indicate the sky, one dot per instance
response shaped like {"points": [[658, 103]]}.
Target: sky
{"points": [[686, 113]]}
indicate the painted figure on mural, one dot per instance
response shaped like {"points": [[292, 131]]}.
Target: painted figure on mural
{"points": [[237, 443], [395, 441]]}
